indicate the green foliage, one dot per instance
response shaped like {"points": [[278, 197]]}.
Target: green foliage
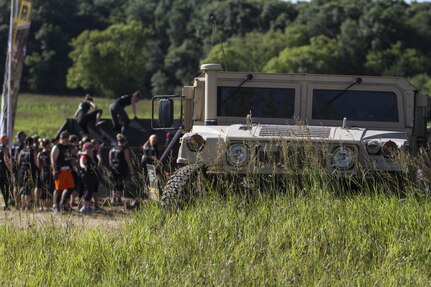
{"points": [[352, 47], [181, 59], [160, 83], [237, 57], [326, 17], [395, 61], [252, 51], [111, 61], [422, 82], [141, 11], [383, 23], [318, 57], [367, 33], [419, 23], [54, 24]]}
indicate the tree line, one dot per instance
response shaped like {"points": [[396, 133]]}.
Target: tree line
{"points": [[112, 47]]}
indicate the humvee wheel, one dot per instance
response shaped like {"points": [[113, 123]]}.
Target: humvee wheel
{"points": [[178, 189]]}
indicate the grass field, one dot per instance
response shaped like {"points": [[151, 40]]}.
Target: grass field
{"points": [[44, 115], [314, 240], [324, 237]]}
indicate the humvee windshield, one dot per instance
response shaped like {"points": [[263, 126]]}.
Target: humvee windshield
{"points": [[262, 102], [355, 105]]}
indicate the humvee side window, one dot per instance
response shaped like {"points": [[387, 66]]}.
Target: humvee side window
{"points": [[355, 105], [262, 102]]}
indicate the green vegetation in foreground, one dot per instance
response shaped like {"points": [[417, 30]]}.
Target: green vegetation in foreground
{"points": [[319, 239], [44, 115]]}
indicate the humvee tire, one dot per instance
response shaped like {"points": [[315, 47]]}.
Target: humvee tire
{"points": [[177, 190]]}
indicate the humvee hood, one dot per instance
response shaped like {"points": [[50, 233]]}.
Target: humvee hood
{"points": [[291, 132]]}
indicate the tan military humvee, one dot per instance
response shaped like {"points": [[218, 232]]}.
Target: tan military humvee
{"points": [[262, 123]]}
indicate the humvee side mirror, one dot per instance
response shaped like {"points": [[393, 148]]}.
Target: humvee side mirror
{"points": [[165, 117], [166, 113]]}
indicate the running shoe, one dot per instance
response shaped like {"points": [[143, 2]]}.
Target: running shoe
{"points": [[117, 203], [65, 208], [85, 210]]}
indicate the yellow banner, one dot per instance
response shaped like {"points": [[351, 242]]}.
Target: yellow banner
{"points": [[18, 34], [22, 19]]}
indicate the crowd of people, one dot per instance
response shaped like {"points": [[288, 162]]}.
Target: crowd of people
{"points": [[64, 173]]}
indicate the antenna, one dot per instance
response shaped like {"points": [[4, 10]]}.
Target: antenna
{"points": [[213, 20]]}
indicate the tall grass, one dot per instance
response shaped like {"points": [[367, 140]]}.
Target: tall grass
{"points": [[242, 231], [318, 239]]}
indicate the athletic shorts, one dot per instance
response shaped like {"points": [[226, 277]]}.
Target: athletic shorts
{"points": [[118, 179], [65, 180]]}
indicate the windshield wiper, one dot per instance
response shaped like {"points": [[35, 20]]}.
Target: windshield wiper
{"points": [[356, 82], [249, 77]]}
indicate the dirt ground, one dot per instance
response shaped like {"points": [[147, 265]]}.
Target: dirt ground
{"points": [[109, 218]]}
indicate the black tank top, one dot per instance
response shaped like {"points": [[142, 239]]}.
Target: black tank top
{"points": [[96, 159], [3, 167], [83, 108], [64, 156], [118, 160], [16, 149], [91, 166], [124, 101], [27, 159], [45, 162]]}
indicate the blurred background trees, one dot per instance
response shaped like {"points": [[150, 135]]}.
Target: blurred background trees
{"points": [[111, 47]]}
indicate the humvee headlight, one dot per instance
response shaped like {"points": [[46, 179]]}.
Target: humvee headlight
{"points": [[390, 148], [373, 147], [237, 155], [195, 143], [344, 158]]}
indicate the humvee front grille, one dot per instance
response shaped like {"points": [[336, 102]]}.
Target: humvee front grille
{"points": [[290, 157], [295, 132]]}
